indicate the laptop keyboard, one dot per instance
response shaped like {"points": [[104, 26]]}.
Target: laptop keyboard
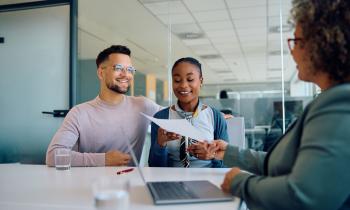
{"points": [[172, 190]]}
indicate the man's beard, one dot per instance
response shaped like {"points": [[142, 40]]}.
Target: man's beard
{"points": [[117, 89]]}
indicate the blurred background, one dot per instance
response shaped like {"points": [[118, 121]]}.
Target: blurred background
{"points": [[48, 51]]}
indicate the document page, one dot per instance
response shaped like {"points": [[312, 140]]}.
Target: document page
{"points": [[179, 126]]}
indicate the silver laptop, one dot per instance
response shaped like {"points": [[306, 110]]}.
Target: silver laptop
{"points": [[180, 192]]}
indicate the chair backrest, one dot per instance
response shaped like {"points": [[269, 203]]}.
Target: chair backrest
{"points": [[236, 132]]}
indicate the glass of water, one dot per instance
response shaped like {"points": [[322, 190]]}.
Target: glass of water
{"points": [[62, 158], [111, 193]]}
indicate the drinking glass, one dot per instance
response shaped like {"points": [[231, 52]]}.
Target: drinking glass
{"points": [[111, 193], [62, 158]]}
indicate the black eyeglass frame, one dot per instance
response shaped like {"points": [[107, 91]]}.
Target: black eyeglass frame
{"points": [[294, 40]]}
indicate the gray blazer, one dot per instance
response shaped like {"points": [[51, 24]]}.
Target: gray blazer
{"points": [[308, 168]]}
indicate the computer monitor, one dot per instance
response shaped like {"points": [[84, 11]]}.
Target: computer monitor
{"points": [[293, 110]]}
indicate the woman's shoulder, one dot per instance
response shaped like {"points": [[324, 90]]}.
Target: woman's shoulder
{"points": [[215, 112], [337, 97]]}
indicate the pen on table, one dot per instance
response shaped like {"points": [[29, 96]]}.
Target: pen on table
{"points": [[125, 171]]}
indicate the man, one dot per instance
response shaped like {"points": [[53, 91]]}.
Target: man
{"points": [[97, 131]]}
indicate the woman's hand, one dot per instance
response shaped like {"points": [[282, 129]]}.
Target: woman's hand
{"points": [[229, 177], [208, 151], [164, 137], [203, 150], [221, 146]]}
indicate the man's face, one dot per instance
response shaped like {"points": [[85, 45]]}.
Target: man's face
{"points": [[117, 81]]}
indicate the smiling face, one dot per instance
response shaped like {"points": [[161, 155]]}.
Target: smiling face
{"points": [[186, 84], [116, 81]]}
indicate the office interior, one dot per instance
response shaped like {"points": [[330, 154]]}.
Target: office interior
{"points": [[48, 51]]}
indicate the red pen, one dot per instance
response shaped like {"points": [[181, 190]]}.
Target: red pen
{"points": [[125, 171]]}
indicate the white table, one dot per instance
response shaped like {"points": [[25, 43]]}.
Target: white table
{"points": [[38, 187]]}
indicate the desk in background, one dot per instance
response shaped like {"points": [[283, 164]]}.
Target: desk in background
{"points": [[38, 187]]}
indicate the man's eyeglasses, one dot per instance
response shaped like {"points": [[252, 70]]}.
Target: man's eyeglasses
{"points": [[292, 42], [120, 67]]}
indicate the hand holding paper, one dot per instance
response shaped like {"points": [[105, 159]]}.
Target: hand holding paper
{"points": [[179, 126]]}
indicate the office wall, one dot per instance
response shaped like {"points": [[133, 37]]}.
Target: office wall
{"points": [[87, 82], [139, 84], [34, 78], [159, 92]]}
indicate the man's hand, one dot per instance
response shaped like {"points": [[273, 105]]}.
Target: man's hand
{"points": [[229, 177], [228, 116], [164, 137], [116, 158]]}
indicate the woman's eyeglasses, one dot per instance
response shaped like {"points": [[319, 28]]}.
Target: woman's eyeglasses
{"points": [[292, 42]]}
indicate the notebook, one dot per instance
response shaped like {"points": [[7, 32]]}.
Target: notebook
{"points": [[180, 192]]}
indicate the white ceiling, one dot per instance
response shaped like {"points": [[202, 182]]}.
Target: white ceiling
{"points": [[236, 40]]}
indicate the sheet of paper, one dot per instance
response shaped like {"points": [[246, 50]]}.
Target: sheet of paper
{"points": [[179, 126]]}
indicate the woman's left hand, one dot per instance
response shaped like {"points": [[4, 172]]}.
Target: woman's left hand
{"points": [[226, 185]]}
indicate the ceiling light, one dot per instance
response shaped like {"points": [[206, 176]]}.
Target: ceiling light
{"points": [[210, 56], [222, 71], [190, 35], [230, 79], [277, 29], [150, 1], [274, 69], [278, 52], [273, 78]]}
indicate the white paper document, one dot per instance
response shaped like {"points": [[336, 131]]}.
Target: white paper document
{"points": [[178, 126]]}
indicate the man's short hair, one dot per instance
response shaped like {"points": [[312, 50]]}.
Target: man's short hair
{"points": [[103, 55]]}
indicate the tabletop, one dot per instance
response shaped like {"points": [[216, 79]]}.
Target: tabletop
{"points": [[41, 187]]}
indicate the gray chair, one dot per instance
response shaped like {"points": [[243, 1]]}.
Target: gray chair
{"points": [[236, 132]]}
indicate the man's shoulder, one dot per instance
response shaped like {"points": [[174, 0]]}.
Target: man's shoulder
{"points": [[139, 99], [142, 101], [83, 107]]}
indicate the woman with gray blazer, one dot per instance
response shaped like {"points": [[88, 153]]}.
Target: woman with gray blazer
{"points": [[308, 167]]}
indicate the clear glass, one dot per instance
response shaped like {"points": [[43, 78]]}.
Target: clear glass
{"points": [[111, 193], [242, 46], [62, 159]]}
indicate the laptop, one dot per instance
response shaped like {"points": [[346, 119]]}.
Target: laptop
{"points": [[181, 192]]}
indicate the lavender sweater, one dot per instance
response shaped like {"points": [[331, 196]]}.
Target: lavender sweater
{"points": [[95, 127]]}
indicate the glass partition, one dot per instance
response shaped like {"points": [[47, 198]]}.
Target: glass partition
{"points": [[240, 43], [247, 67]]}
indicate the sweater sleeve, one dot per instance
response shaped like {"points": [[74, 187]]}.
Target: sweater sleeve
{"points": [[158, 156], [67, 137], [319, 178]]}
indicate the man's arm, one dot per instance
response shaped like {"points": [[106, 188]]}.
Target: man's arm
{"points": [[67, 137]]}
